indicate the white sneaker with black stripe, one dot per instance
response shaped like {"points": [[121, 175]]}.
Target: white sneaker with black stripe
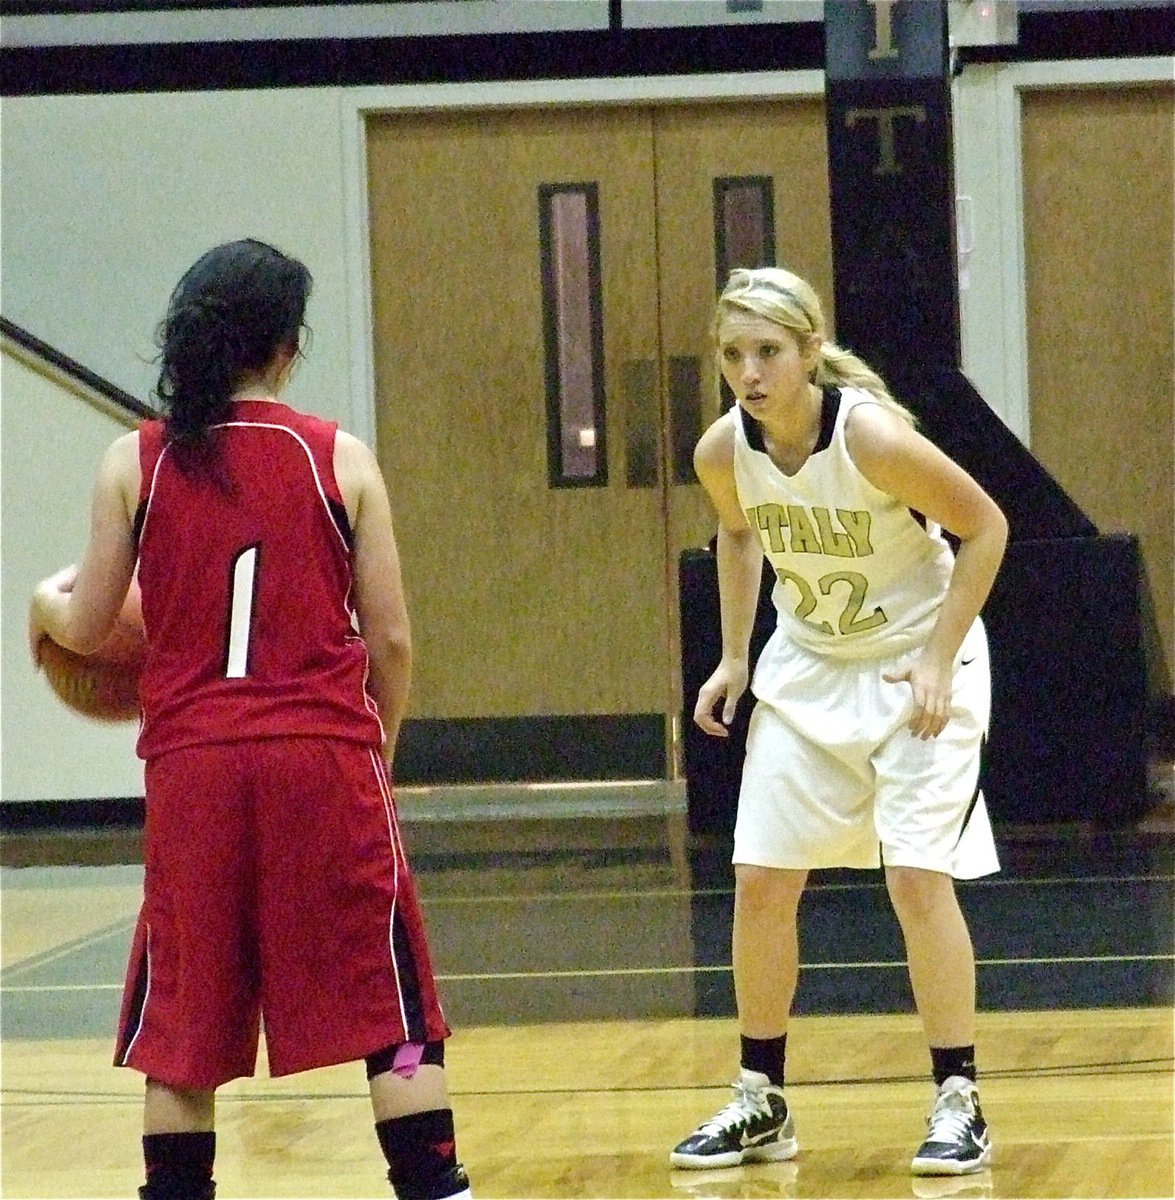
{"points": [[754, 1127], [957, 1141]]}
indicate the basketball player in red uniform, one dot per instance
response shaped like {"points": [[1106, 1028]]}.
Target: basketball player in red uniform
{"points": [[277, 674]]}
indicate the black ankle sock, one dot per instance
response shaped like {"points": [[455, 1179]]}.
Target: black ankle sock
{"points": [[179, 1166], [421, 1153], [765, 1055], [952, 1060]]}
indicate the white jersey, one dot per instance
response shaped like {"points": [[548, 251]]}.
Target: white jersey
{"points": [[859, 575]]}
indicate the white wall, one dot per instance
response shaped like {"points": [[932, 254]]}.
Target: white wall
{"points": [[991, 282], [108, 199], [51, 442]]}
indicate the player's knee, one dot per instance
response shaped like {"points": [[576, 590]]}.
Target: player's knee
{"points": [[767, 892], [917, 894]]}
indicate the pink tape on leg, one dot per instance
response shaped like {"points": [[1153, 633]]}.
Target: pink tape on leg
{"points": [[407, 1059]]}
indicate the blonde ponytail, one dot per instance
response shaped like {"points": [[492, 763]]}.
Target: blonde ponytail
{"points": [[843, 368]]}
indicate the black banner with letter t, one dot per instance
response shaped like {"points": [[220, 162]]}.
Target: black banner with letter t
{"points": [[891, 167]]}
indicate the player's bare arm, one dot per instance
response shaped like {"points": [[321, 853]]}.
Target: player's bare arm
{"points": [[379, 589], [903, 463], [77, 606], [740, 566]]}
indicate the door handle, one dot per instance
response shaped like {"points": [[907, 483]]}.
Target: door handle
{"points": [[642, 422]]}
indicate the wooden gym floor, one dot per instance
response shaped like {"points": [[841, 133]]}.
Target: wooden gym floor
{"points": [[584, 959]]}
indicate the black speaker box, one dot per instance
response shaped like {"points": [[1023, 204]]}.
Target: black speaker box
{"points": [[1069, 685]]}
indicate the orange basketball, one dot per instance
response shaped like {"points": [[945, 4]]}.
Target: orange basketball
{"points": [[103, 685]]}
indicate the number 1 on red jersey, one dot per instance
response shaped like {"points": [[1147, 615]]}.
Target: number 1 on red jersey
{"points": [[241, 614]]}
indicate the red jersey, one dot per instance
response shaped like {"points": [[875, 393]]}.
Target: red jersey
{"points": [[245, 571]]}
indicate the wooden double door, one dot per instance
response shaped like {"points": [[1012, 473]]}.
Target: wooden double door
{"points": [[529, 599]]}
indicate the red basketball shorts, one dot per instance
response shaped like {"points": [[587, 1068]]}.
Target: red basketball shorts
{"points": [[277, 890]]}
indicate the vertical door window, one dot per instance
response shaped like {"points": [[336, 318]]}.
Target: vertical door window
{"points": [[744, 223], [569, 233], [744, 234]]}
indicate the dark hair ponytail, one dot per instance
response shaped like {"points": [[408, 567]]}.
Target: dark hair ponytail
{"points": [[227, 317]]}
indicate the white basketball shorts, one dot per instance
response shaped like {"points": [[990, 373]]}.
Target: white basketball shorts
{"points": [[833, 776]]}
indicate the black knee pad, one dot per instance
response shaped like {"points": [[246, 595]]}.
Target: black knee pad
{"points": [[384, 1060]]}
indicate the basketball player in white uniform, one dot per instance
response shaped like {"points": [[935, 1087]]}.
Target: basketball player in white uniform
{"points": [[873, 694]]}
